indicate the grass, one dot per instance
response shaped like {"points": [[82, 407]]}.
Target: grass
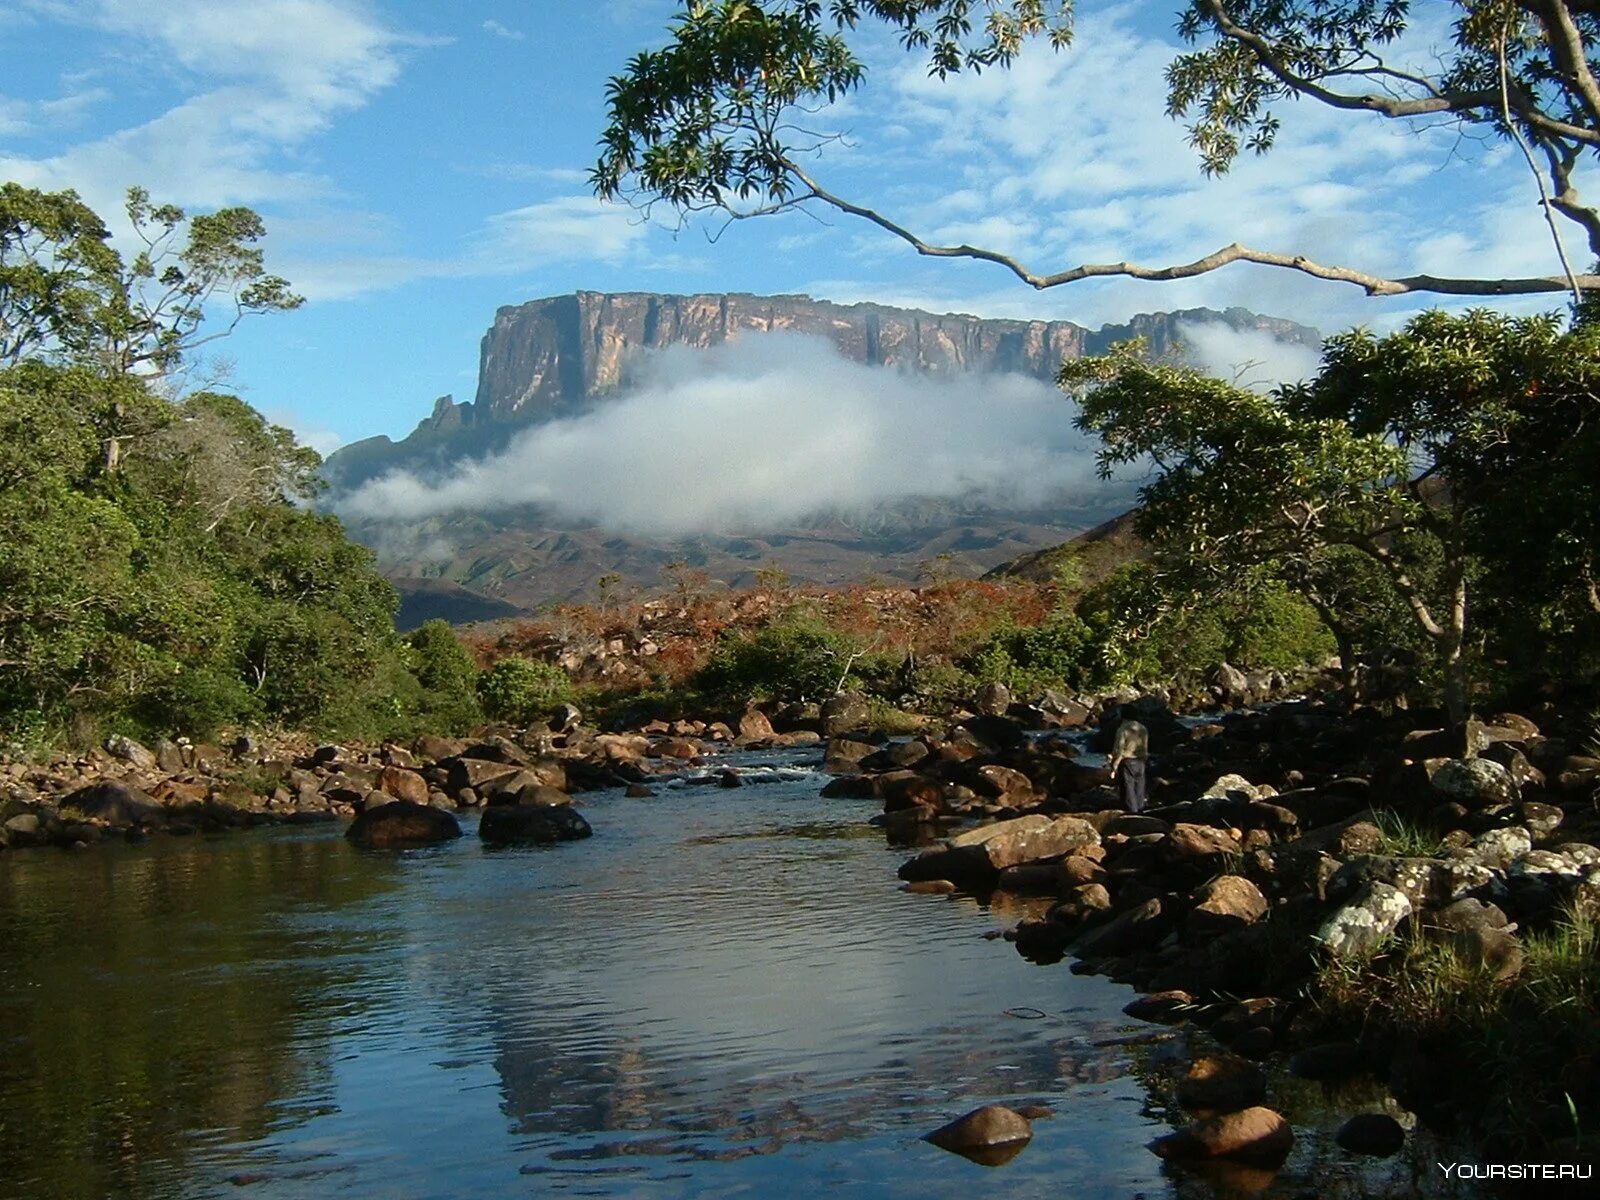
{"points": [[1523, 1049], [1404, 838]]}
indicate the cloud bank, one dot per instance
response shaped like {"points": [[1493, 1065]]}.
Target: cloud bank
{"points": [[1250, 357], [763, 432]]}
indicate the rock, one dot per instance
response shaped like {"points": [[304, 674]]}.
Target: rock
{"points": [[1377, 1134], [1498, 848], [982, 1129], [436, 749], [1063, 711], [565, 719], [1329, 1062], [1541, 820], [475, 773], [907, 789], [981, 854], [540, 824], [1237, 786], [1164, 1008], [729, 778], [403, 784], [843, 753], [1199, 841], [1228, 902], [1361, 925], [169, 757], [844, 713], [112, 801], [929, 887], [1475, 782], [1140, 926], [1253, 1135], [1002, 783], [130, 751], [402, 825], [993, 700], [1495, 950], [639, 791], [754, 726], [679, 748], [1231, 684], [1467, 914]]}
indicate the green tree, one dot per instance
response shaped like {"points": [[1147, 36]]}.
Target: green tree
{"points": [[523, 690], [721, 118], [448, 677], [1404, 450]]}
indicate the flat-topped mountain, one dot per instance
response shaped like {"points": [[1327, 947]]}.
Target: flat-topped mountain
{"points": [[557, 356], [565, 356]]}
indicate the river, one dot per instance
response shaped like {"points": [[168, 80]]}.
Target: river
{"points": [[722, 993]]}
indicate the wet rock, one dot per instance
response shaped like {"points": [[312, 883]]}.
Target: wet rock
{"points": [[1361, 925], [981, 854], [526, 823], [1256, 1135], [986, 1128], [475, 773], [929, 887], [1376, 1134], [402, 825], [681, 749], [1226, 903], [907, 789], [843, 753], [639, 791], [1164, 1008]]}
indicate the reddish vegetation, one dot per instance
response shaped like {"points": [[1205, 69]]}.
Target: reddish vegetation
{"points": [[670, 637]]}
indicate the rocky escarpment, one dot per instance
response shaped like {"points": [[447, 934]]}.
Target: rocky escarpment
{"points": [[554, 357]]}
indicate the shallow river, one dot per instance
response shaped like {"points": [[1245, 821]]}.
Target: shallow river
{"points": [[722, 993]]}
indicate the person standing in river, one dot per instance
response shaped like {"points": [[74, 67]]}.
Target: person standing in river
{"points": [[1130, 759]]}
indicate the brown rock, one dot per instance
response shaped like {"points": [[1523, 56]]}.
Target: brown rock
{"points": [[983, 1128], [907, 789], [929, 887], [403, 784], [1200, 841], [402, 825], [1256, 1135], [1228, 902], [1218, 1083], [754, 726]]}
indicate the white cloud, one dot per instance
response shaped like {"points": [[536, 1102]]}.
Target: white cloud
{"points": [[1253, 358], [258, 80], [503, 31], [761, 432]]}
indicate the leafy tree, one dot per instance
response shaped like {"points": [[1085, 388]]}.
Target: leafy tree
{"points": [[722, 116], [1410, 451], [55, 266], [448, 678], [796, 657], [523, 690]]}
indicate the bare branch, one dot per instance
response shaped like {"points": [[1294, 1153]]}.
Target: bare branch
{"points": [[1373, 285]]}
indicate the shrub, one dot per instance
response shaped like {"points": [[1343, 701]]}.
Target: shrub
{"points": [[797, 657], [522, 690]]}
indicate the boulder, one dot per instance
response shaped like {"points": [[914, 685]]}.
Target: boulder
{"points": [[466, 772], [993, 700], [1199, 841], [981, 854], [1377, 1134], [1499, 848], [528, 823], [907, 789], [843, 753], [1361, 925], [403, 784], [1227, 903], [131, 752], [112, 801], [1475, 782], [981, 1129], [754, 726], [402, 825], [1222, 1083], [1140, 926], [1256, 1135], [844, 713]]}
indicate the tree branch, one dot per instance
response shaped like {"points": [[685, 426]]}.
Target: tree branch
{"points": [[1373, 285]]}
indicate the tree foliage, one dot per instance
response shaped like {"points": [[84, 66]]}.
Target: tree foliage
{"points": [[1413, 470], [724, 115]]}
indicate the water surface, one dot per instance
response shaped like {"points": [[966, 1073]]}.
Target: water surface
{"points": [[721, 994]]}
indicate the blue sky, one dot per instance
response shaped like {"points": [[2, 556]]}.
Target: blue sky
{"points": [[421, 164]]}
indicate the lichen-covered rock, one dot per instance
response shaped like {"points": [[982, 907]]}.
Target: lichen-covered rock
{"points": [[1361, 925], [1499, 848], [1475, 782]]}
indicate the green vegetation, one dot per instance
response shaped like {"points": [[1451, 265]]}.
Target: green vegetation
{"points": [[1409, 493], [522, 690], [1529, 1037], [797, 657], [160, 572]]}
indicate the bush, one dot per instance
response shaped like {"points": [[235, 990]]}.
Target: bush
{"points": [[797, 657], [522, 690], [1060, 653], [447, 677]]}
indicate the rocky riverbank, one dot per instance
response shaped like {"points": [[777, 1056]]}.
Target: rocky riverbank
{"points": [[1357, 893], [130, 791]]}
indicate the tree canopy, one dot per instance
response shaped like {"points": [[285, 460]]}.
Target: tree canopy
{"points": [[724, 117]]}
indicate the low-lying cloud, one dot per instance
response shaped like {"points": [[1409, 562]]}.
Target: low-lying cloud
{"points": [[1252, 358], [761, 433]]}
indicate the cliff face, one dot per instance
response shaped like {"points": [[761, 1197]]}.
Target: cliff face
{"points": [[554, 357], [548, 357]]}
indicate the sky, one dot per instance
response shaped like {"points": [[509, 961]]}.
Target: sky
{"points": [[421, 164]]}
